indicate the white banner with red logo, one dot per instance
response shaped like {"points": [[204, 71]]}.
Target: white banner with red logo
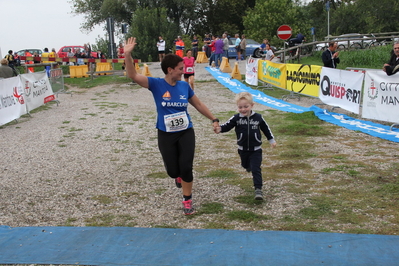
{"points": [[19, 95], [12, 102], [381, 96], [37, 89], [341, 88], [251, 73]]}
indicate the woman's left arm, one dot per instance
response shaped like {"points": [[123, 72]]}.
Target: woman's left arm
{"points": [[203, 109]]}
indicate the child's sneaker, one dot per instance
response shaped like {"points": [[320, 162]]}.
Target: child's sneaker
{"points": [[178, 182], [188, 207], [258, 194]]}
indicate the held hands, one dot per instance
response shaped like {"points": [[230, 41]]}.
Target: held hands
{"points": [[129, 45], [217, 129], [273, 145]]}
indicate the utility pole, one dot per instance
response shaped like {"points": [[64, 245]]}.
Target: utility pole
{"points": [[111, 30], [328, 19]]}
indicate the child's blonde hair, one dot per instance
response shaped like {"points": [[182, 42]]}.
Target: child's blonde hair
{"points": [[244, 96]]}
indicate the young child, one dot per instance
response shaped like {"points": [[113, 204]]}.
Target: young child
{"points": [[248, 126]]}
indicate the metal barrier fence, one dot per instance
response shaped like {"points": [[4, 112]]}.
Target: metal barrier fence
{"points": [[57, 81]]}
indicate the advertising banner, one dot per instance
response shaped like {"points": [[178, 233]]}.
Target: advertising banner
{"points": [[303, 79], [251, 72], [12, 101], [272, 73], [381, 96], [37, 89], [341, 88]]}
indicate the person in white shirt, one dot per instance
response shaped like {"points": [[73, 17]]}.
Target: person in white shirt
{"points": [[161, 48], [269, 55]]}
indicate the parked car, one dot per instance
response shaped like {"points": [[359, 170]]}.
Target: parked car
{"points": [[252, 48], [64, 50], [31, 51], [356, 41]]}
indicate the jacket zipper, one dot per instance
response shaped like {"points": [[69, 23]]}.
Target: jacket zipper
{"points": [[248, 135]]}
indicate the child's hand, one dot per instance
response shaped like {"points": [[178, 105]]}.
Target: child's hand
{"points": [[217, 129], [273, 145]]}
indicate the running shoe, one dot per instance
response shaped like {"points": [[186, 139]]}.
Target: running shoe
{"points": [[188, 207], [178, 182], [258, 194]]}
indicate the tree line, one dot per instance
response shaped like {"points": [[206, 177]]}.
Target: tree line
{"points": [[257, 19]]}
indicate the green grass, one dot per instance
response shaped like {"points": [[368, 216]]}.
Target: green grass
{"points": [[363, 58], [97, 81]]}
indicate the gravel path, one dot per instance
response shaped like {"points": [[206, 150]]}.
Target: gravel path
{"points": [[93, 160]]}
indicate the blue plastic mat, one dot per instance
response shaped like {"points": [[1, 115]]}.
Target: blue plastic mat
{"points": [[156, 246]]}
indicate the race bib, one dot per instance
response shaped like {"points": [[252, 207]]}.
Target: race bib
{"points": [[176, 122], [190, 69]]}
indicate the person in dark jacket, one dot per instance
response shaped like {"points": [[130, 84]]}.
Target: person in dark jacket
{"points": [[248, 126], [330, 56], [393, 65]]}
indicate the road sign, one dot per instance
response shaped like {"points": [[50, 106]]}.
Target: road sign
{"points": [[284, 32]]}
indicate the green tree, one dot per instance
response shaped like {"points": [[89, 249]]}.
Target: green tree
{"points": [[265, 18], [101, 44], [147, 25], [221, 16]]}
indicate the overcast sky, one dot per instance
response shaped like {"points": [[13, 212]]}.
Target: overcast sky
{"points": [[41, 23]]}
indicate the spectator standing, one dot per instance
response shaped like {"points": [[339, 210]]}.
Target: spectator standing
{"points": [[212, 47], [5, 70], [392, 66], [263, 45], [99, 54], [11, 61], [194, 45], [179, 46], [46, 54], [53, 54], [218, 51], [207, 42], [36, 58], [243, 47], [161, 44], [269, 55], [70, 55], [330, 56], [121, 54], [87, 50], [189, 68], [237, 46], [225, 45], [248, 126], [176, 137], [17, 60], [29, 62], [121, 51]]}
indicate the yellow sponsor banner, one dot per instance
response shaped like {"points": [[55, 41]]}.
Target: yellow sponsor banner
{"points": [[303, 79], [272, 73]]}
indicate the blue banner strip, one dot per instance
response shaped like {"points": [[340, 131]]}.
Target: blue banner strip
{"points": [[373, 129]]}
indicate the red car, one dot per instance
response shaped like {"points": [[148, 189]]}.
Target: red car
{"points": [[64, 50]]}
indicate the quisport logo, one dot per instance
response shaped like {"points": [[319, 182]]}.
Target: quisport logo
{"points": [[338, 90]]}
